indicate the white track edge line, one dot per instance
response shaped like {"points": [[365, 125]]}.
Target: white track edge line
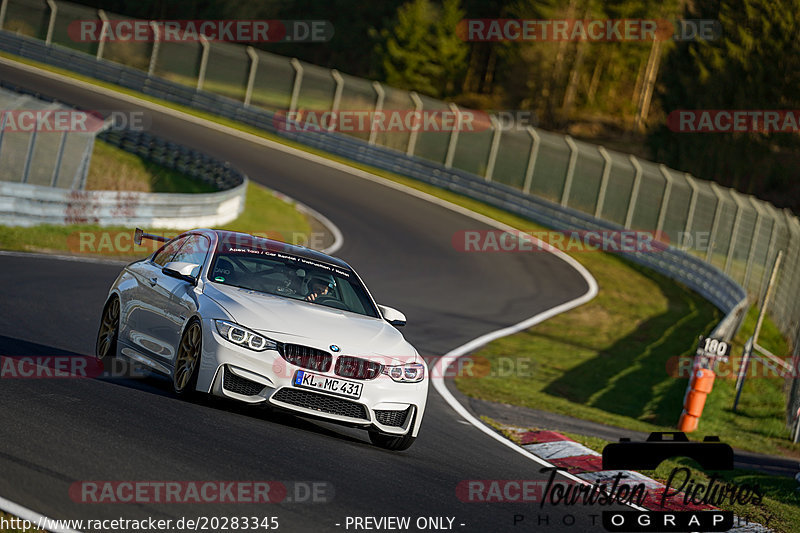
{"points": [[27, 514]]}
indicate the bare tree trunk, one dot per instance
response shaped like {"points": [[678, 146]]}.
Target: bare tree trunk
{"points": [[595, 80], [572, 86]]}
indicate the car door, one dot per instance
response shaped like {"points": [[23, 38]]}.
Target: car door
{"points": [[179, 296], [145, 299], [166, 302]]}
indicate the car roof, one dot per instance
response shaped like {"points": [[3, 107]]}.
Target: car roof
{"points": [[278, 246]]}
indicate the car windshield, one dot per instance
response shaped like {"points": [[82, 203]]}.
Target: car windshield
{"points": [[283, 274]]}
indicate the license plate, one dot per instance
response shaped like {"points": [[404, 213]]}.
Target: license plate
{"points": [[307, 380]]}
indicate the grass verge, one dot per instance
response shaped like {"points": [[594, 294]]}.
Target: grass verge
{"points": [[616, 347], [114, 169]]}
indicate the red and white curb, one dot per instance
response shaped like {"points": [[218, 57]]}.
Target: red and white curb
{"points": [[587, 464]]}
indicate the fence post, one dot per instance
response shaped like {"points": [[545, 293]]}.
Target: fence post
{"points": [[29, 156], [637, 181], [3, 8], [773, 236], [573, 159], [495, 147], [151, 68], [337, 92], [298, 79], [51, 22], [756, 232], [412, 137], [451, 146], [534, 154], [380, 94], [687, 228], [201, 76], [714, 225], [2, 129], [662, 210], [103, 30], [59, 157], [83, 167], [601, 194], [735, 232], [251, 75]]}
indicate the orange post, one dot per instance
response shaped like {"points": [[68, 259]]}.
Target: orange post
{"points": [[700, 384]]}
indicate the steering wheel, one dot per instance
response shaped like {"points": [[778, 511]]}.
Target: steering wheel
{"points": [[330, 301]]}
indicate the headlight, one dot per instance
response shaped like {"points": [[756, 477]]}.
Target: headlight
{"points": [[244, 337], [408, 373]]}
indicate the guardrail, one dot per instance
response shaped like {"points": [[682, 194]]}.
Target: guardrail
{"points": [[704, 278], [29, 205]]}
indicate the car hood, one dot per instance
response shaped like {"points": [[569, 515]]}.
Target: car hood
{"points": [[295, 321]]}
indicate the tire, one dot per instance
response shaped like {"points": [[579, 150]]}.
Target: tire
{"points": [[395, 443], [187, 360], [108, 333]]}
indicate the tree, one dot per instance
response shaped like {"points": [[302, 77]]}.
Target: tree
{"points": [[754, 65], [422, 51]]}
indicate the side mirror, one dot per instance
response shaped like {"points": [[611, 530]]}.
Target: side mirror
{"points": [[392, 316], [181, 270]]}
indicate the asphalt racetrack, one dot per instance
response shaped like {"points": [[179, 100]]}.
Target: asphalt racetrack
{"points": [[55, 432]]}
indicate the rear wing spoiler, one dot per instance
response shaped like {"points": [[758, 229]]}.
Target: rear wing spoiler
{"points": [[139, 234]]}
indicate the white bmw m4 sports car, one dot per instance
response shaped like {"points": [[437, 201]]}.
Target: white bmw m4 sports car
{"points": [[264, 322]]}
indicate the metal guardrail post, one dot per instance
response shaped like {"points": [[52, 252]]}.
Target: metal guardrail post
{"points": [[380, 95], [2, 130], [412, 137], [29, 156], [59, 156], [735, 233], [714, 225], [601, 194], [532, 156], [662, 210], [51, 22], [756, 232], [637, 182], [494, 148], [79, 180], [201, 76], [3, 9], [451, 145], [298, 79], [101, 45], [687, 228], [151, 68], [337, 97], [573, 159], [251, 75]]}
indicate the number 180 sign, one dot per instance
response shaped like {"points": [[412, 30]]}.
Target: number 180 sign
{"points": [[714, 349]]}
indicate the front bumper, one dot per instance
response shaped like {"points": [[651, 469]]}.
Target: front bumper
{"points": [[235, 372]]}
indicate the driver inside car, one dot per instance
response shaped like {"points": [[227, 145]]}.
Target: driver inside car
{"points": [[317, 287]]}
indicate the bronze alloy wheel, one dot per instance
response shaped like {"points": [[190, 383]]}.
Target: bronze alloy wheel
{"points": [[187, 360], [109, 329]]}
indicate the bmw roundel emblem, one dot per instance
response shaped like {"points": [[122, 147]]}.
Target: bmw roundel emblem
{"points": [[334, 348]]}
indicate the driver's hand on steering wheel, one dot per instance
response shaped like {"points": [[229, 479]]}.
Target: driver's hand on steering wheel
{"points": [[317, 290]]}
